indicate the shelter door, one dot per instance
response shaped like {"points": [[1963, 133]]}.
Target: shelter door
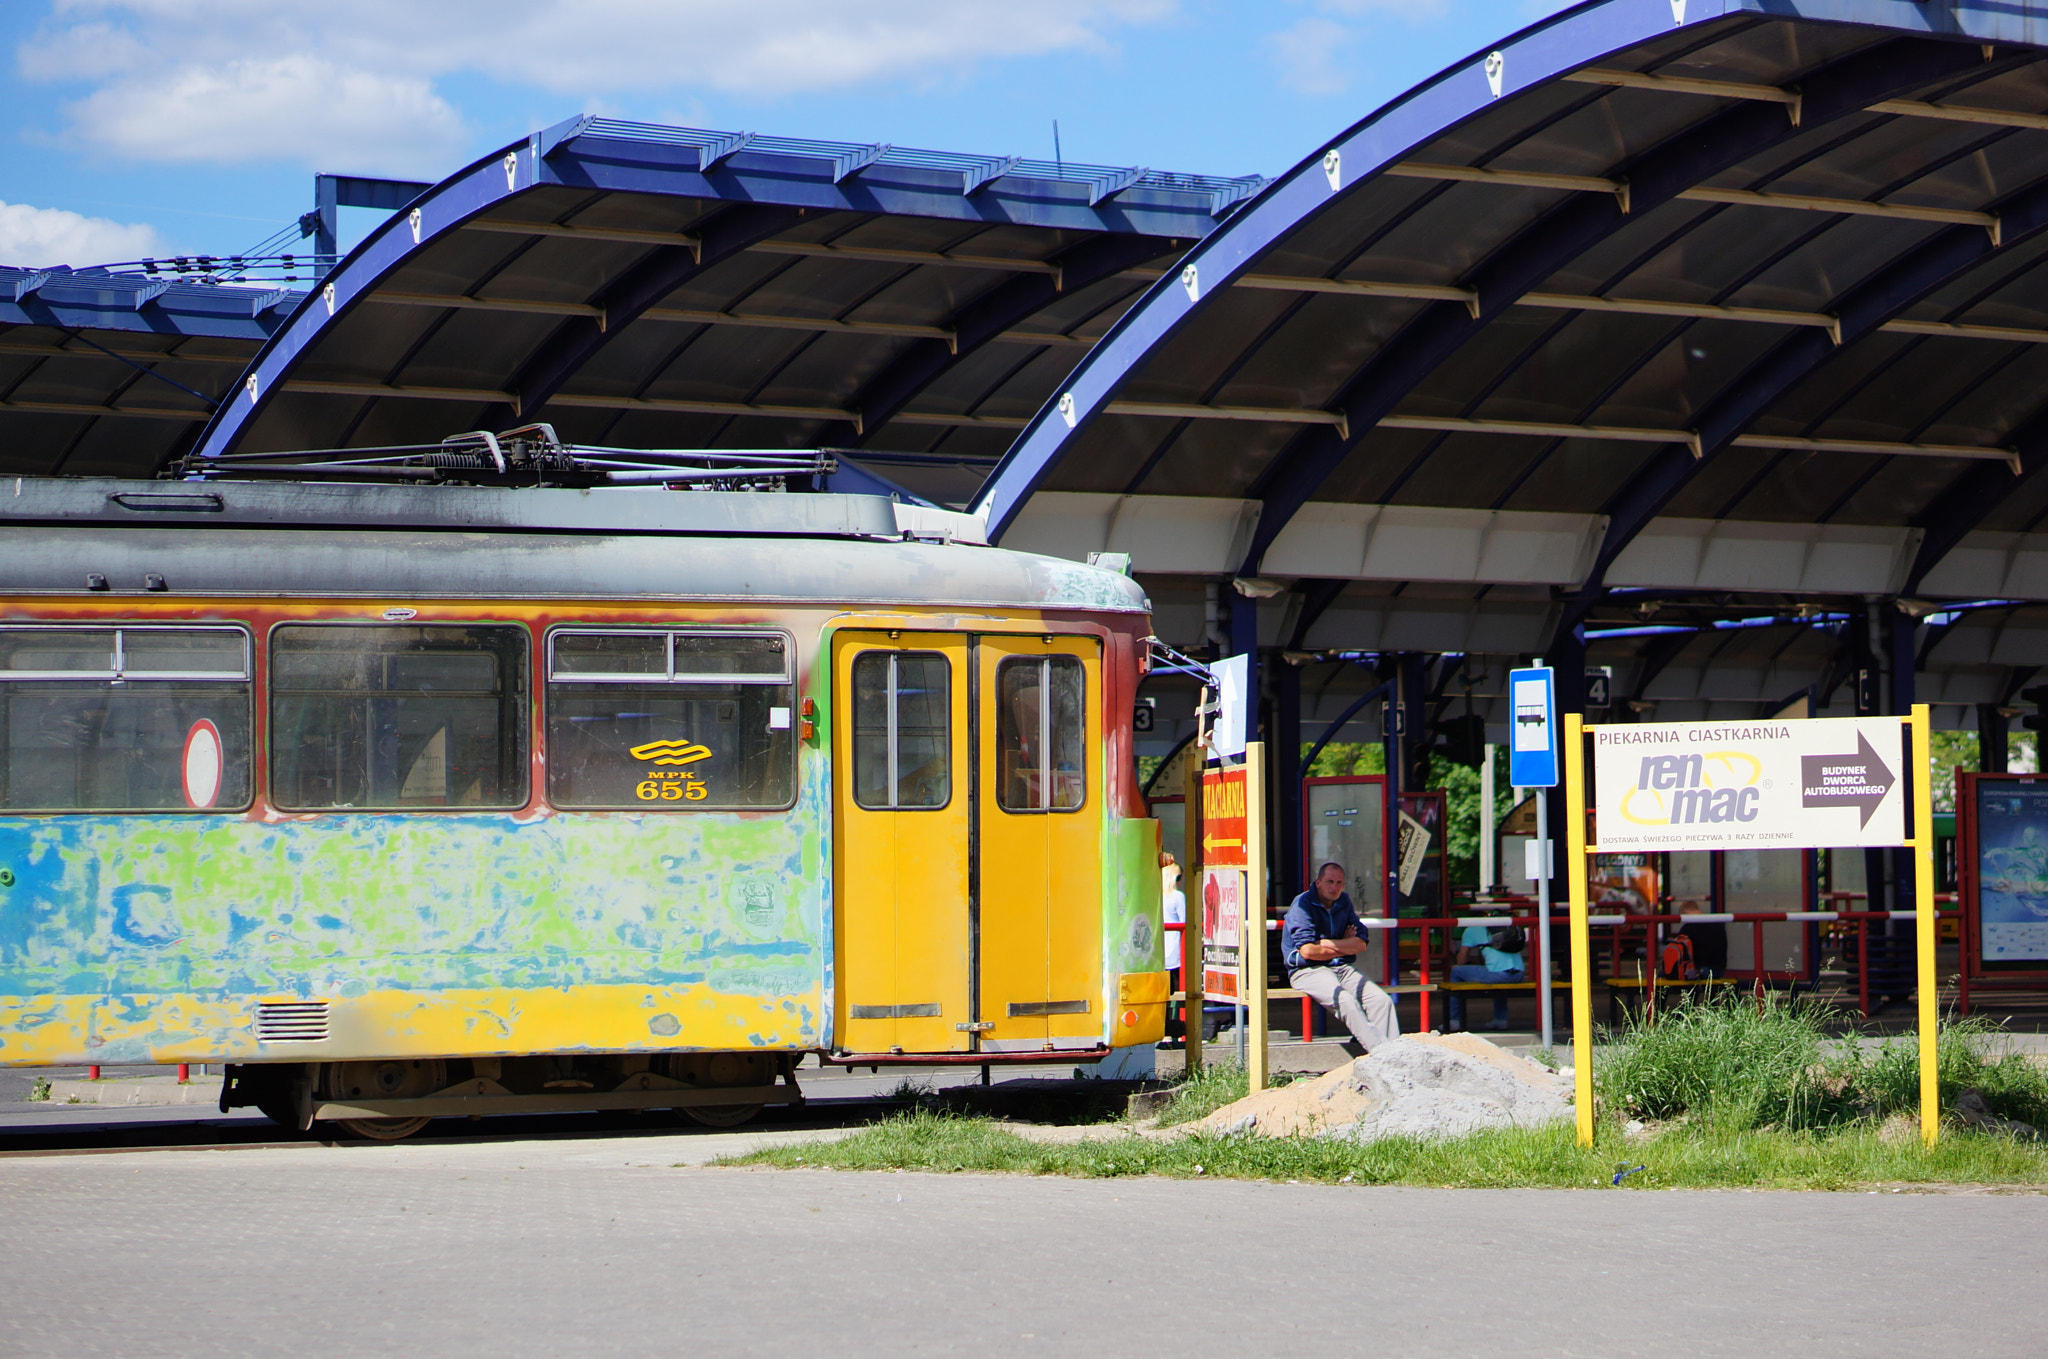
{"points": [[1041, 921], [903, 841]]}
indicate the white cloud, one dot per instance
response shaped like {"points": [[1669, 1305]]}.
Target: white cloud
{"points": [[279, 108], [36, 237], [1311, 56], [1415, 11], [314, 80]]}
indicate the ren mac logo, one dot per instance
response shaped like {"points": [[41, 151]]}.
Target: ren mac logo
{"points": [[1680, 790]]}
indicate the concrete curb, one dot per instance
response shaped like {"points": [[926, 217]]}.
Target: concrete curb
{"points": [[146, 1090]]}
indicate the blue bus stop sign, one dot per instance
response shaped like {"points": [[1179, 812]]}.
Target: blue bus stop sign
{"points": [[1532, 748]]}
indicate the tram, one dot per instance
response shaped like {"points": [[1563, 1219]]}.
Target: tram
{"points": [[415, 800]]}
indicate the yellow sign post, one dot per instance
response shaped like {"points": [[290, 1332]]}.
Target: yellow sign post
{"points": [[1924, 926], [1779, 784], [1582, 949], [1252, 955]]}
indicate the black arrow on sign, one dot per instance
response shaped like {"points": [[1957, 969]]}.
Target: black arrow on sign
{"points": [[1859, 780]]}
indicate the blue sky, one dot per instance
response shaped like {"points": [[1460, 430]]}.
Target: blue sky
{"points": [[156, 127]]}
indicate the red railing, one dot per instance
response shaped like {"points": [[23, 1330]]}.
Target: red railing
{"points": [[1615, 924]]}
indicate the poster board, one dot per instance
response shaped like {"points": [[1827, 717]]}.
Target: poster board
{"points": [[1423, 892], [1344, 820], [2002, 873], [1223, 933]]}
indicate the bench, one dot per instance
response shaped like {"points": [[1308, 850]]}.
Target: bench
{"points": [[1485, 988], [1617, 987], [1308, 1002]]}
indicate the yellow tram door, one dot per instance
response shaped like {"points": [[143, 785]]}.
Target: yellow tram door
{"points": [[903, 817], [1040, 743]]}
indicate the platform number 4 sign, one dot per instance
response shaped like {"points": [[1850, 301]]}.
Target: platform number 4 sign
{"points": [[1599, 685]]}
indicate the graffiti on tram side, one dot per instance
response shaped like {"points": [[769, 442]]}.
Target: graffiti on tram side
{"points": [[616, 930]]}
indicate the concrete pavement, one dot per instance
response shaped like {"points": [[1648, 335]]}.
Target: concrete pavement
{"points": [[575, 1246]]}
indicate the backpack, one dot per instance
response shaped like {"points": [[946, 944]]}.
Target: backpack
{"points": [[1676, 963], [1509, 940]]}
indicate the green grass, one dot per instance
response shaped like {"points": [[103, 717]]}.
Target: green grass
{"points": [[1747, 1097], [1687, 1157], [1736, 1066], [1204, 1092]]}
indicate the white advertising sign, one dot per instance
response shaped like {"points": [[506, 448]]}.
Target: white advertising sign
{"points": [[1750, 785], [1232, 731]]}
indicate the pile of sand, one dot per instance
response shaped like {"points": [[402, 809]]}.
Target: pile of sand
{"points": [[1424, 1085]]}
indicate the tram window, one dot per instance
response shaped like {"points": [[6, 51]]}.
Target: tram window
{"points": [[682, 721], [902, 746], [124, 719], [1041, 728], [397, 717]]}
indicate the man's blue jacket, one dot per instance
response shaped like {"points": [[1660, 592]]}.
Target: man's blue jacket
{"points": [[1309, 921]]}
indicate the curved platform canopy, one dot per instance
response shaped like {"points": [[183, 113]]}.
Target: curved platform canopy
{"points": [[1729, 304], [660, 287], [105, 374]]}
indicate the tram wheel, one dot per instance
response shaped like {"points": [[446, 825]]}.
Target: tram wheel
{"points": [[396, 1078], [714, 1069], [284, 1115]]}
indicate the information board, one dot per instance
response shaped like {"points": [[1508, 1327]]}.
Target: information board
{"points": [[1806, 784], [2012, 870]]}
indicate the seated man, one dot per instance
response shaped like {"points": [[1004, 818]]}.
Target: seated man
{"points": [[1480, 959], [1318, 939]]}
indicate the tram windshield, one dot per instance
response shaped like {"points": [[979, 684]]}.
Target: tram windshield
{"points": [[397, 716], [124, 719], [674, 721], [1041, 729]]}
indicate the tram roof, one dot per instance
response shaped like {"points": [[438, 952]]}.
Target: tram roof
{"points": [[675, 287], [101, 537], [103, 372], [1733, 301]]}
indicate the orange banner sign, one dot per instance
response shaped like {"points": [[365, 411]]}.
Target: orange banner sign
{"points": [[1223, 818]]}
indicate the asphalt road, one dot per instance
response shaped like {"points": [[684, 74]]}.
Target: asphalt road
{"points": [[579, 1245]]}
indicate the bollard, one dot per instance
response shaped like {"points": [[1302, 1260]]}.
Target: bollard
{"points": [[184, 1073], [92, 1073]]}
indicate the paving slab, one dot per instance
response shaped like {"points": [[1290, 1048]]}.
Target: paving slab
{"points": [[575, 1247]]}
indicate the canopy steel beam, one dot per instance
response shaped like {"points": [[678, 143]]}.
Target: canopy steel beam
{"points": [[1317, 595], [86, 408], [990, 318], [1623, 191], [1863, 309], [1636, 306], [1773, 94], [58, 351], [576, 401], [1455, 424], [821, 325], [1962, 507], [1838, 90], [562, 355]]}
